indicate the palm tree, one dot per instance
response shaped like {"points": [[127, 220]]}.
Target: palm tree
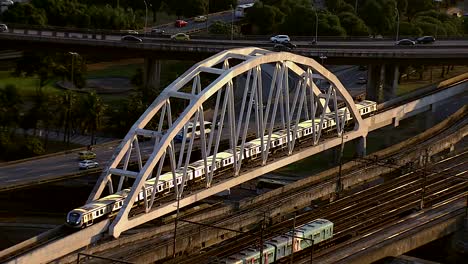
{"points": [[10, 104], [66, 104], [91, 113]]}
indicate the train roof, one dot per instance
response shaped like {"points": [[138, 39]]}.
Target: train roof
{"points": [[103, 202]]}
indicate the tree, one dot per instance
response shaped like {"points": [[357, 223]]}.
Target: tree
{"points": [[24, 14], [39, 64], [300, 21], [91, 112], [223, 28], [10, 105], [353, 25], [379, 16], [415, 6], [265, 19], [329, 25], [221, 5], [66, 109]]}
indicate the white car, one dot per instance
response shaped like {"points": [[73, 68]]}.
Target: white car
{"points": [[87, 164], [280, 39]]}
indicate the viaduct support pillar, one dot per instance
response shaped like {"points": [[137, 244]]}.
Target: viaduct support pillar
{"points": [[391, 81], [373, 82], [361, 146], [152, 74]]}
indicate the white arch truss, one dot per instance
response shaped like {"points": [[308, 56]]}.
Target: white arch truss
{"points": [[246, 93]]}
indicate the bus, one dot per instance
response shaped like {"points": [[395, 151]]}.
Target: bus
{"points": [[241, 10]]}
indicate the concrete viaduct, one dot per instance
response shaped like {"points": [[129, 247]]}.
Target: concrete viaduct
{"points": [[383, 57]]}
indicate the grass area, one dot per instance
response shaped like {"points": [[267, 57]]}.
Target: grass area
{"points": [[413, 83], [121, 69], [26, 85]]}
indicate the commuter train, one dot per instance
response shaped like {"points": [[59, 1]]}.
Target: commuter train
{"points": [[283, 245], [111, 204]]}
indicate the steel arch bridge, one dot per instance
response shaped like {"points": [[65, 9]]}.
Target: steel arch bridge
{"points": [[229, 89]]}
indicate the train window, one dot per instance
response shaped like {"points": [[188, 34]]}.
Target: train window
{"points": [[316, 235]]}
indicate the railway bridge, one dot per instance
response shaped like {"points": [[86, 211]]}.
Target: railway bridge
{"points": [[292, 98]]}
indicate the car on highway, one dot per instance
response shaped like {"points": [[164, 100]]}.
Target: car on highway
{"points": [[157, 31], [199, 19], [131, 38], [86, 155], [405, 42], [280, 39], [180, 36], [425, 40], [180, 23], [129, 31], [285, 46], [87, 164], [3, 28], [361, 80]]}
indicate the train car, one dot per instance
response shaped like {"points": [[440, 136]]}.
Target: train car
{"points": [[284, 245], [366, 107]]}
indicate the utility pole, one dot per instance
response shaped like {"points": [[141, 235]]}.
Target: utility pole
{"points": [[312, 252], [175, 227], [292, 238], [338, 187], [424, 177], [261, 239], [398, 23], [73, 54]]}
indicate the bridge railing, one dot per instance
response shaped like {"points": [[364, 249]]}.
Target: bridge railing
{"points": [[13, 26]]}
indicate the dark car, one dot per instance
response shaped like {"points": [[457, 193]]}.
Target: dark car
{"points": [[406, 42], [285, 46], [425, 40], [131, 38], [281, 47], [157, 31]]}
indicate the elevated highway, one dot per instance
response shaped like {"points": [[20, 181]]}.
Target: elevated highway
{"points": [[280, 109], [337, 51]]}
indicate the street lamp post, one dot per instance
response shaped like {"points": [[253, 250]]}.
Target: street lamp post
{"points": [[316, 27], [398, 23], [73, 54], [146, 15]]}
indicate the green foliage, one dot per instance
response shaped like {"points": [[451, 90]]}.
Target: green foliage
{"points": [[32, 147], [300, 21], [379, 16], [24, 14], [10, 103], [329, 25], [72, 13], [415, 6], [90, 113], [353, 25], [265, 19], [48, 66], [223, 28], [465, 25], [221, 5], [410, 29]]}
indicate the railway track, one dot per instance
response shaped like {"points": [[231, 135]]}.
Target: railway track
{"points": [[348, 214], [288, 196]]}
